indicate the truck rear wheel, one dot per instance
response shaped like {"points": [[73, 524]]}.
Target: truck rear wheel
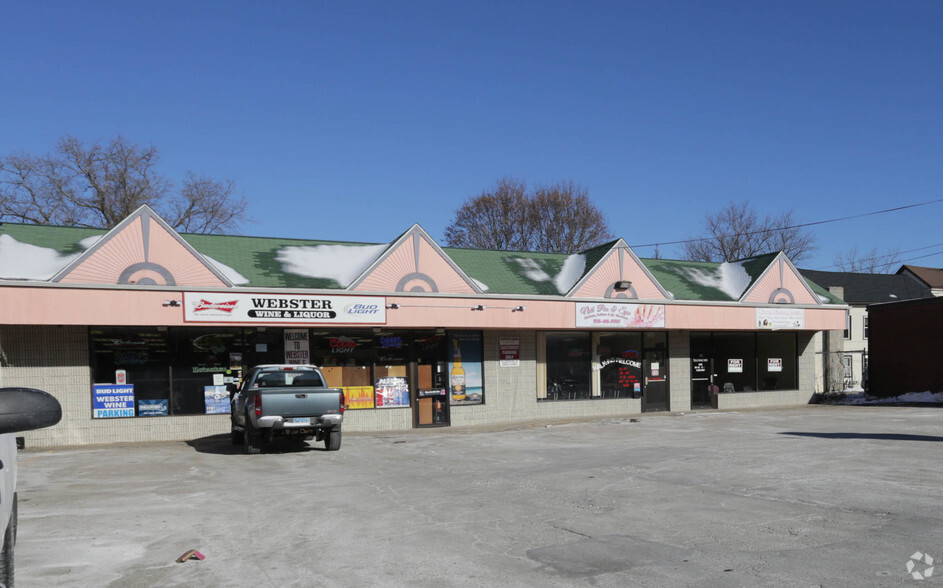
{"points": [[234, 435], [251, 440], [332, 441]]}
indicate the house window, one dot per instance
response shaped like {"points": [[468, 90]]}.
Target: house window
{"points": [[865, 327], [846, 365], [847, 324]]}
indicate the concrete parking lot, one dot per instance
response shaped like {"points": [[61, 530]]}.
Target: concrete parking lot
{"points": [[815, 496]]}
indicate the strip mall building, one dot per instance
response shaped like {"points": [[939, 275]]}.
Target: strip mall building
{"points": [[137, 330]]}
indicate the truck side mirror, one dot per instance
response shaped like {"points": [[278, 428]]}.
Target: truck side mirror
{"points": [[232, 389], [25, 409]]}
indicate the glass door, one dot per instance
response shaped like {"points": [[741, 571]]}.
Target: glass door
{"points": [[655, 372], [432, 380]]}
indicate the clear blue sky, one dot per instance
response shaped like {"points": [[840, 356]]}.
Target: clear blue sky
{"points": [[354, 120]]}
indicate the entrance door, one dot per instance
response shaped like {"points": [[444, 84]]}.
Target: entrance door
{"points": [[702, 378], [655, 374], [431, 381]]}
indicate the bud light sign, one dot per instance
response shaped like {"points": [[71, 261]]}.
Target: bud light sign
{"points": [[111, 401]]}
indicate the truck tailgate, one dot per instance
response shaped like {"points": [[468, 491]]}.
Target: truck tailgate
{"points": [[300, 402]]}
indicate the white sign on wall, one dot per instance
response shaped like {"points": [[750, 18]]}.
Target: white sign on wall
{"points": [[620, 315], [780, 318], [233, 307], [509, 349]]}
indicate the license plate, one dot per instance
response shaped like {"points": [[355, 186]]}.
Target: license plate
{"points": [[301, 420]]}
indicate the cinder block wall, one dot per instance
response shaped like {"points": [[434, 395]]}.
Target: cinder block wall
{"points": [[679, 371]]}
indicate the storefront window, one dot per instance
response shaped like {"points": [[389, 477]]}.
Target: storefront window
{"points": [[620, 365], [152, 371], [743, 362], [465, 367], [201, 360], [569, 366], [138, 358], [346, 358], [776, 361], [735, 361]]}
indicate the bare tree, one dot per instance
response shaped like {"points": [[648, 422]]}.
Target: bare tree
{"points": [[558, 218], [737, 231], [870, 262], [100, 184]]}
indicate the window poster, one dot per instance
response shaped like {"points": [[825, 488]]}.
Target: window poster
{"points": [[359, 396], [216, 399], [774, 364], [734, 366], [392, 392], [111, 401], [464, 369], [148, 407], [297, 346]]}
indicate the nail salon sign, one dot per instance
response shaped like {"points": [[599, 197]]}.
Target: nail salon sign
{"points": [[620, 315]]}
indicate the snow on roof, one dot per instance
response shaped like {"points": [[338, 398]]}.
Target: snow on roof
{"points": [[729, 277], [484, 287], [232, 275], [22, 261], [570, 273], [572, 270], [341, 263]]}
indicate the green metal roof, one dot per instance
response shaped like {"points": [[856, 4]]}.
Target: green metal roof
{"points": [[260, 261], [510, 272], [255, 258]]}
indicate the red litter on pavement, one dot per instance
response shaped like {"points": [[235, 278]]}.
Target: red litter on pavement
{"points": [[192, 554]]}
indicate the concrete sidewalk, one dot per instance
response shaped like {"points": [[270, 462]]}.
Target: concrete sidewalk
{"points": [[816, 496]]}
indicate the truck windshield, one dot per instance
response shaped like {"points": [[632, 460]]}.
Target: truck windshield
{"points": [[286, 378]]}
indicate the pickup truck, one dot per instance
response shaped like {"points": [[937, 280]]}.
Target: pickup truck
{"points": [[291, 401]]}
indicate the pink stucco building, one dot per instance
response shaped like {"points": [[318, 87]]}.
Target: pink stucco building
{"points": [[138, 329]]}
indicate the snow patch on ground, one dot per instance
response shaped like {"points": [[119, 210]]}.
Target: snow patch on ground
{"points": [[862, 398], [22, 261], [341, 263], [729, 278], [232, 275]]}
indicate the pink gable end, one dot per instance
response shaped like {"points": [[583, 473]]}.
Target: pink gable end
{"points": [[780, 285], [415, 266], [142, 253], [599, 284]]}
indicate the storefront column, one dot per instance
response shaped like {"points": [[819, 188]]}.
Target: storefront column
{"points": [[679, 366]]}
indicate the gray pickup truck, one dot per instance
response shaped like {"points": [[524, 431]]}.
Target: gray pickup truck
{"points": [[286, 401]]}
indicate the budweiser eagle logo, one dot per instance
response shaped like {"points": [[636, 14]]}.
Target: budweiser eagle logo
{"points": [[204, 305]]}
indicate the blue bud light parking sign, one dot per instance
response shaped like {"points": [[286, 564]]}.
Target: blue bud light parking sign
{"points": [[112, 401]]}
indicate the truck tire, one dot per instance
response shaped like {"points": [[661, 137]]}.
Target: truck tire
{"points": [[9, 542], [332, 442], [234, 435], [251, 440]]}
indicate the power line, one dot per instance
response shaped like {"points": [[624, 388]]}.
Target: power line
{"points": [[799, 226], [891, 255]]}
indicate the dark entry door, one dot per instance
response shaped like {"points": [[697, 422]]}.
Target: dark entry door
{"points": [[702, 379], [655, 374]]}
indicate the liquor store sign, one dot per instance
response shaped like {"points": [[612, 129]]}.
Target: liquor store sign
{"points": [[204, 307]]}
